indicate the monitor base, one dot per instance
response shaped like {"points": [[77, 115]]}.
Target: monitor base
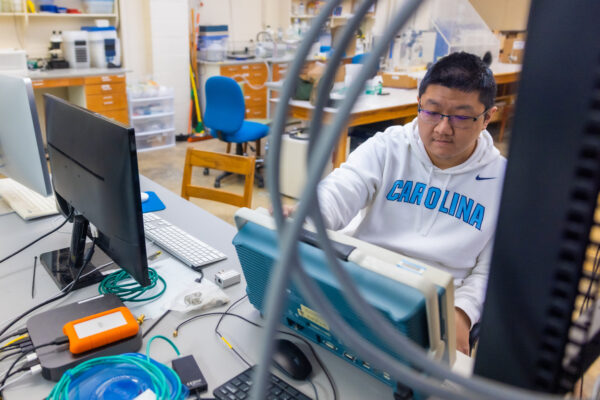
{"points": [[57, 265]]}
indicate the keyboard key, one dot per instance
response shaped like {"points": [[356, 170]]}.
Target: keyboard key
{"points": [[239, 388], [25, 202], [231, 388], [236, 382], [188, 249]]}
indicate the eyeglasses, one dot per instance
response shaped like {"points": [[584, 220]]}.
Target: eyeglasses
{"points": [[457, 121]]}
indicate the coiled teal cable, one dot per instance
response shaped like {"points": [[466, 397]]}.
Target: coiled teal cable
{"points": [[160, 384], [119, 283]]}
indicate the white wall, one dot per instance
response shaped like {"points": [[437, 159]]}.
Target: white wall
{"points": [[169, 32], [245, 18], [136, 45]]}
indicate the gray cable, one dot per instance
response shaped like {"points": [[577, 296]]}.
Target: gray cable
{"points": [[289, 231], [385, 331], [368, 351], [276, 295], [278, 126], [328, 77]]}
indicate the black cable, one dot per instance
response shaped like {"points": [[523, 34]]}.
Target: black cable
{"points": [[19, 332], [23, 355], [155, 323], [17, 345], [58, 341], [38, 239], [313, 352], [223, 316], [240, 356], [33, 279], [4, 357], [221, 336], [22, 369], [199, 270], [62, 294], [12, 346]]}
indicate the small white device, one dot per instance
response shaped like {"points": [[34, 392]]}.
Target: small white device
{"points": [[227, 278], [144, 196]]}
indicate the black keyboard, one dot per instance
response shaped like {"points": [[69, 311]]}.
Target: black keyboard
{"points": [[239, 387]]}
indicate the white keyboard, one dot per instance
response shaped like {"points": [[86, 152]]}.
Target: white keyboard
{"points": [[191, 251], [27, 203]]}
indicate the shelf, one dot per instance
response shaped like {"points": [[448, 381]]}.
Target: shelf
{"points": [[150, 116], [144, 99], [147, 133], [345, 16], [57, 15], [304, 16]]}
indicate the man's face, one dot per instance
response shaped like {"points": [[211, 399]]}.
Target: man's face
{"points": [[447, 145]]}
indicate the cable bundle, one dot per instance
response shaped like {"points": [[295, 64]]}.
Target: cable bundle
{"points": [[119, 377], [121, 284]]}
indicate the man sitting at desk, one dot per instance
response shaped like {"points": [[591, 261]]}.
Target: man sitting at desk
{"points": [[431, 189]]}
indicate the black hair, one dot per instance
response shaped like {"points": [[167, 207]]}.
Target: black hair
{"points": [[465, 72]]}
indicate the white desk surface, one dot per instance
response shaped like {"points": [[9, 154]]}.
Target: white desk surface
{"points": [[370, 102], [396, 97], [74, 73], [217, 363]]}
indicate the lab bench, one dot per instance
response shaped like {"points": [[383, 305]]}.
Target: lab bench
{"points": [[102, 90]]}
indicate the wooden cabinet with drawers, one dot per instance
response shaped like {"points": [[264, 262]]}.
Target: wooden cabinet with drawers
{"points": [[104, 94], [253, 77], [107, 95]]}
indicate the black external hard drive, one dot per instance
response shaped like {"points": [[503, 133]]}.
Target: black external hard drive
{"points": [[190, 374]]}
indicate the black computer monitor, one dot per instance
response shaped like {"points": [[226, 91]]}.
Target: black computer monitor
{"points": [[22, 156], [95, 176], [546, 225]]}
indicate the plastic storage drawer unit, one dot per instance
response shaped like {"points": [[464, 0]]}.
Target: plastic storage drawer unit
{"points": [[155, 141]]}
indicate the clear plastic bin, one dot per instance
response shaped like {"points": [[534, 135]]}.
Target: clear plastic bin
{"points": [[154, 142], [11, 6], [154, 124], [98, 6], [158, 105]]}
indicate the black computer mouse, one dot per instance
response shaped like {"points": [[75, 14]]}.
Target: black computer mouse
{"points": [[291, 360]]}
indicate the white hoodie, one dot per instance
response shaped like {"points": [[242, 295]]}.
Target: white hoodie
{"points": [[446, 218]]}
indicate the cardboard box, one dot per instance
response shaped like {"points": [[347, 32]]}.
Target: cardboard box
{"points": [[513, 47], [398, 80], [336, 33]]}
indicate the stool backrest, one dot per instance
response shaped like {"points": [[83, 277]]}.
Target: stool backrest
{"points": [[242, 165]]}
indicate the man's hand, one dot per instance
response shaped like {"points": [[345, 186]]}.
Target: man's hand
{"points": [[288, 210], [463, 327]]}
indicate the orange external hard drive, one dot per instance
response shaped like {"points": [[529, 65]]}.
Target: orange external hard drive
{"points": [[100, 329]]}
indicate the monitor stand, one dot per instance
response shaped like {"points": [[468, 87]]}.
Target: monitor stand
{"points": [[57, 264]]}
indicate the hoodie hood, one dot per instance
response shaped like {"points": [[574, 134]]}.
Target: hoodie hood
{"points": [[484, 153]]}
